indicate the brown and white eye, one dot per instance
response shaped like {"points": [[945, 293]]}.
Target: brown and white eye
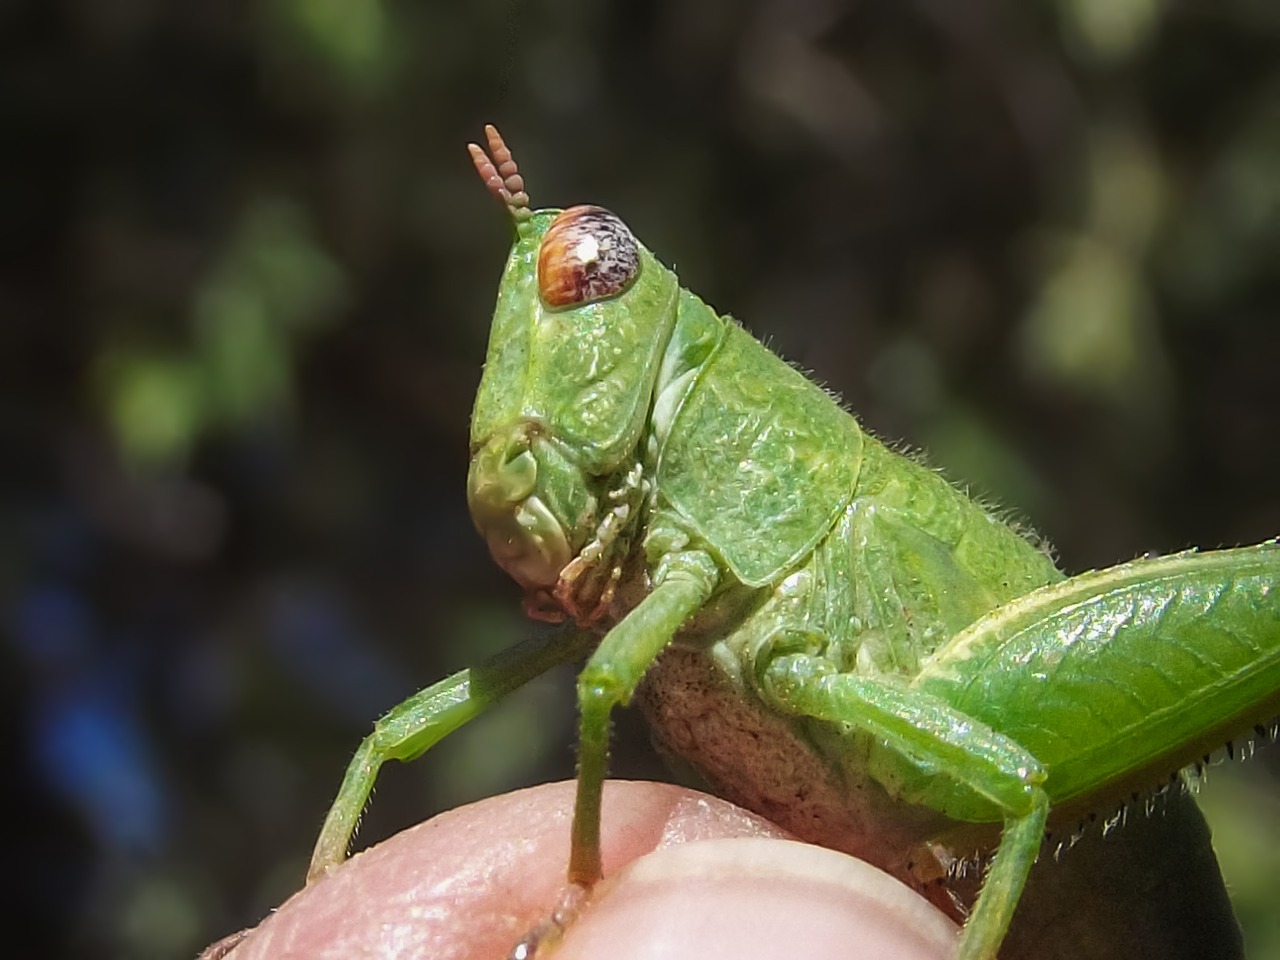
{"points": [[587, 254]]}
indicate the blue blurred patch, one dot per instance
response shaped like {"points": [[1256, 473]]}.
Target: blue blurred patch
{"points": [[86, 738], [313, 633]]}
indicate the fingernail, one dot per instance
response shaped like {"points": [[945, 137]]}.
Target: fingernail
{"points": [[755, 897]]}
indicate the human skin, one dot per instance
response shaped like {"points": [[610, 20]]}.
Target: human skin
{"points": [[687, 875]]}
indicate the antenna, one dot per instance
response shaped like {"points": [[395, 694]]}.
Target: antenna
{"points": [[498, 170]]}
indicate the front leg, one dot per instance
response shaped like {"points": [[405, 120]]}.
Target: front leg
{"points": [[413, 727], [683, 583]]}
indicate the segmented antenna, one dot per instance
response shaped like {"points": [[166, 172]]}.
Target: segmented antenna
{"points": [[498, 170]]}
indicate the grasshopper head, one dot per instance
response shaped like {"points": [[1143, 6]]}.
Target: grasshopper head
{"points": [[583, 316]]}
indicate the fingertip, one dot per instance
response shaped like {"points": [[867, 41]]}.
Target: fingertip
{"points": [[469, 883]]}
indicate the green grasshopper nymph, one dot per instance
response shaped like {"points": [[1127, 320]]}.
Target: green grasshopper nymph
{"points": [[769, 581]]}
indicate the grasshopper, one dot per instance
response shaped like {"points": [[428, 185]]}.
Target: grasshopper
{"points": [[826, 630]]}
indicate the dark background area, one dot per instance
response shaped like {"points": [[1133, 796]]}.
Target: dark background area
{"points": [[246, 272]]}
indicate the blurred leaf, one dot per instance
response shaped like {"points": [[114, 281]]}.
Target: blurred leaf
{"points": [[1111, 30], [351, 34], [243, 351], [1091, 329], [274, 284], [275, 251], [273, 287], [157, 405], [1127, 190]]}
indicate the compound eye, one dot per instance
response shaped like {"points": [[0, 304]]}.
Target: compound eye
{"points": [[587, 254]]}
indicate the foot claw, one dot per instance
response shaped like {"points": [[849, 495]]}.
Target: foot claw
{"points": [[538, 943]]}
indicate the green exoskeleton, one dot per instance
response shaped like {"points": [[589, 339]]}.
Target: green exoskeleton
{"points": [[829, 632]]}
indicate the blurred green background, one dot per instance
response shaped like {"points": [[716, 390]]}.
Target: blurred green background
{"points": [[244, 291]]}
